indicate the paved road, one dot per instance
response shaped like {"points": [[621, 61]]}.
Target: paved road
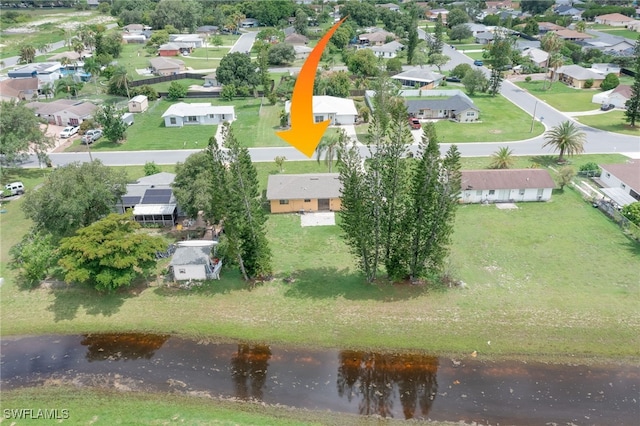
{"points": [[245, 42]]}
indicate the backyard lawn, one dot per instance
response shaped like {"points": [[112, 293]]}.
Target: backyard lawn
{"points": [[612, 121], [561, 96]]}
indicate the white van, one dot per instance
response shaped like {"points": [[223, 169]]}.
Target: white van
{"points": [[14, 188]]}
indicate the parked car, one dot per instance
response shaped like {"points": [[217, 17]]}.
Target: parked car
{"points": [[13, 188], [607, 107], [453, 79], [414, 123], [478, 63], [68, 131], [91, 136]]}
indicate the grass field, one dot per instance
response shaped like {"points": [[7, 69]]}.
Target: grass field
{"points": [[475, 55], [213, 52], [561, 96], [612, 121], [535, 287]]}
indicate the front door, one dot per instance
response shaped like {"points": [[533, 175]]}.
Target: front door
{"points": [[323, 204]]}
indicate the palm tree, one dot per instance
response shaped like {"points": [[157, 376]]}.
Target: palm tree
{"points": [[92, 67], [330, 146], [69, 86], [567, 138], [77, 46], [551, 44], [121, 79], [502, 158], [581, 26], [27, 53], [555, 61]]}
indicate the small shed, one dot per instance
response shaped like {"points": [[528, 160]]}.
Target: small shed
{"points": [[194, 263], [138, 103]]}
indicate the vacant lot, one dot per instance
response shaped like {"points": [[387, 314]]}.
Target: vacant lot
{"points": [[554, 279], [612, 121], [561, 96]]}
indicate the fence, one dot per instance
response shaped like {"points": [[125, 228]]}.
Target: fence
{"points": [[162, 79]]}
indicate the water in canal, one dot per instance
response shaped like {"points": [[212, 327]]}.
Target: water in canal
{"points": [[401, 386]]}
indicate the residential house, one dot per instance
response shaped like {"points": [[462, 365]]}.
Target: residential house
{"points": [[476, 28], [545, 27], [207, 29], [621, 182], [613, 19], [165, 66], [505, 4], [605, 69], [576, 76], [46, 72], [169, 49], [432, 15], [375, 37], [457, 107], [296, 39], [569, 10], [18, 89], [572, 35], [305, 192], [64, 112], [133, 28], [302, 52], [338, 111], [537, 56], [389, 6], [138, 103], [618, 97], [134, 38], [484, 38], [287, 31], [211, 80], [151, 199], [190, 41], [195, 262], [420, 77], [506, 186], [70, 55], [181, 114], [388, 50], [634, 26], [622, 48], [249, 23]]}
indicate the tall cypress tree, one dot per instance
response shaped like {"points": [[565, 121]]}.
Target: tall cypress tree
{"points": [[632, 113]]}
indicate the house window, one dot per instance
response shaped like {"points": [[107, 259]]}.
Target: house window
{"points": [[318, 118], [521, 192], [540, 192], [172, 120], [307, 200], [608, 175], [479, 193], [192, 119], [284, 202], [492, 192], [182, 271], [471, 113], [623, 186], [210, 115]]}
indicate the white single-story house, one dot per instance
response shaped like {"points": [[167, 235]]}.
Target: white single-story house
{"points": [[336, 110], [181, 114], [605, 69], [622, 176], [302, 52], [484, 38], [138, 103], [476, 28], [537, 56], [134, 38], [618, 97], [194, 263], [249, 23], [387, 50], [506, 185], [457, 107], [421, 77], [613, 19], [151, 199], [192, 40]]}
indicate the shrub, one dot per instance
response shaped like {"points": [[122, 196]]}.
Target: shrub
{"points": [[611, 81], [151, 168], [588, 84], [528, 79], [86, 125], [590, 169]]}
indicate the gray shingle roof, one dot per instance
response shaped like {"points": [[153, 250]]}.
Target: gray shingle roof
{"points": [[454, 103], [198, 255], [506, 179], [303, 186]]}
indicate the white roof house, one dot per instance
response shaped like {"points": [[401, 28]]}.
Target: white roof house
{"points": [[336, 110], [419, 76], [538, 56], [387, 50], [180, 114]]}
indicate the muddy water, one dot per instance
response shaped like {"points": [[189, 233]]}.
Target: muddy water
{"points": [[392, 385]]}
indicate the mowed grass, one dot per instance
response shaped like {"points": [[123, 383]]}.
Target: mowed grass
{"points": [[257, 125], [561, 96], [552, 280], [612, 121], [500, 121]]}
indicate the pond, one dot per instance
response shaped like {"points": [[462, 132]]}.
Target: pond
{"points": [[400, 385]]}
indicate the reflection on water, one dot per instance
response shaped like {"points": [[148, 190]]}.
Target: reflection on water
{"points": [[390, 385], [377, 380]]}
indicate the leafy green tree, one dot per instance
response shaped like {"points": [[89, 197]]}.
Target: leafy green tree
{"points": [[193, 185], [145, 90], [27, 54], [280, 162], [632, 112], [236, 68], [567, 138], [73, 196], [35, 254], [301, 22], [436, 41], [216, 41], [110, 44], [460, 32], [269, 13], [340, 38], [176, 91], [536, 7], [184, 15], [500, 54], [394, 65], [363, 62], [157, 39], [531, 28], [502, 158], [110, 119], [228, 92], [362, 13], [20, 131], [151, 168], [439, 60], [412, 43], [461, 70], [632, 212], [565, 176], [457, 16], [109, 254], [263, 69], [338, 84], [281, 53], [474, 81], [611, 81]]}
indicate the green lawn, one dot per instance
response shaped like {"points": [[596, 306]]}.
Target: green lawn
{"points": [[468, 46], [213, 52], [475, 55], [561, 96], [536, 288], [257, 126], [612, 121], [186, 82]]}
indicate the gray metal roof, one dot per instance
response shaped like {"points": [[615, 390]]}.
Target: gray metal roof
{"points": [[303, 186], [454, 103], [198, 255], [506, 179]]}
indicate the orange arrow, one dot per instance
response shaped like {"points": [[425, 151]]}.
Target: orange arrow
{"points": [[304, 134]]}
